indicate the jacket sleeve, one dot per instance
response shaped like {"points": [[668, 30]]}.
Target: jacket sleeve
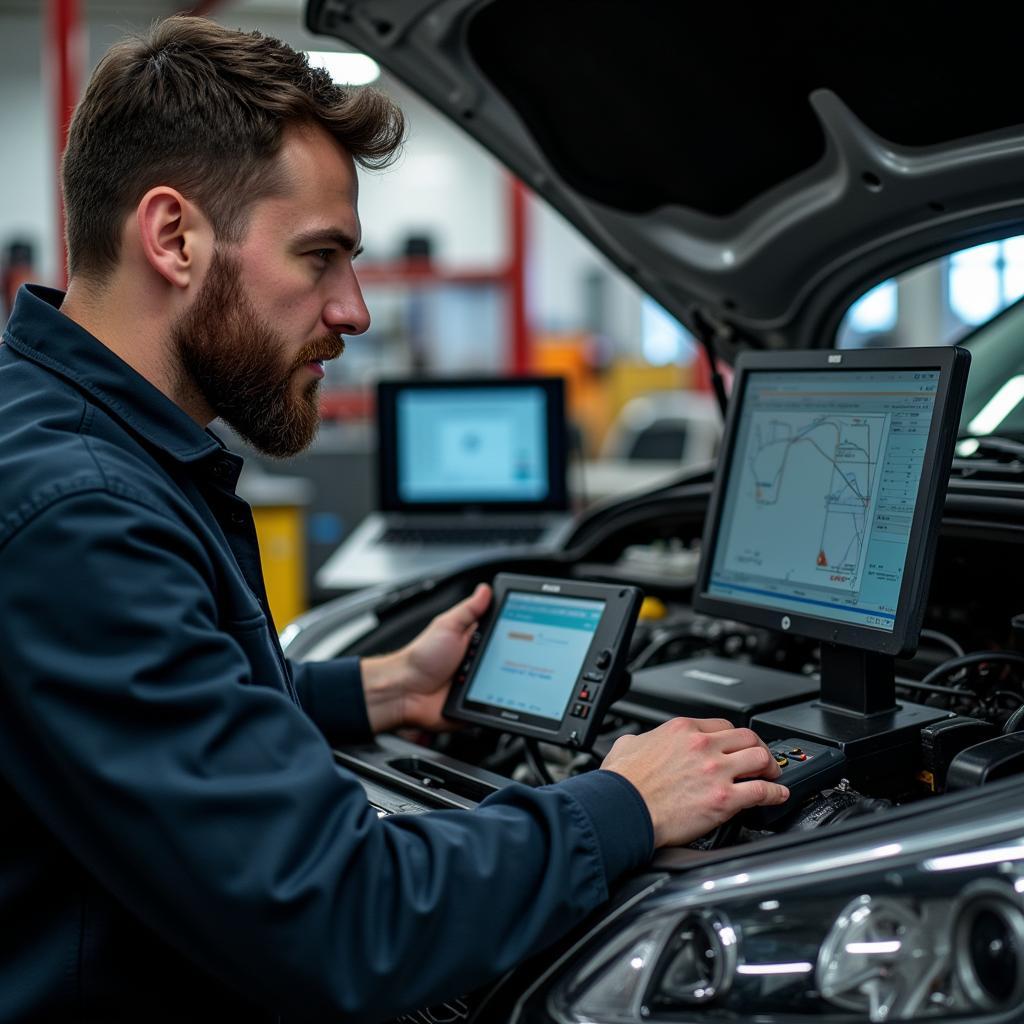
{"points": [[331, 693], [210, 806]]}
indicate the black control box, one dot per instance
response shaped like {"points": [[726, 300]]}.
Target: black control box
{"points": [[711, 687], [807, 768]]}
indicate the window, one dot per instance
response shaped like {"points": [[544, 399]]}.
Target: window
{"points": [[877, 310], [939, 302], [663, 339], [985, 279]]}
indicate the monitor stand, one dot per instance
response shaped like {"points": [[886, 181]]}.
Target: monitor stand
{"points": [[857, 712]]}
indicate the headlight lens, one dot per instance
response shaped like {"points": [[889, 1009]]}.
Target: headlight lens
{"points": [[890, 932], [700, 964]]}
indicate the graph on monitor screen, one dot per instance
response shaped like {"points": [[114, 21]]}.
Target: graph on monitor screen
{"points": [[807, 497]]}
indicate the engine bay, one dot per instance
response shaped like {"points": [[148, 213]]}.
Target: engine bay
{"points": [[969, 664]]}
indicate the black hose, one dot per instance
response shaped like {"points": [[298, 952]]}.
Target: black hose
{"points": [[942, 638], [945, 691], [976, 658], [1013, 723], [644, 658]]}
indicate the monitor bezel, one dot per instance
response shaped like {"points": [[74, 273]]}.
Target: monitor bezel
{"points": [[952, 364], [389, 496]]}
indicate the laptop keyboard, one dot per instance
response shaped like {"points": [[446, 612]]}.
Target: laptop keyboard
{"points": [[463, 535]]}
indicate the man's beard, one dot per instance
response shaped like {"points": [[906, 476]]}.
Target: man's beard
{"points": [[235, 361]]}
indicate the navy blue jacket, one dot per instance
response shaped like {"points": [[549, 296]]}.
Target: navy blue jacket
{"points": [[177, 841]]}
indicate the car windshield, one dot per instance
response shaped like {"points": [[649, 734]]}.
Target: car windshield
{"points": [[995, 388]]}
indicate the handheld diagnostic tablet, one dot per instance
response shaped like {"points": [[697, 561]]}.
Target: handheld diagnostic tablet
{"points": [[549, 659]]}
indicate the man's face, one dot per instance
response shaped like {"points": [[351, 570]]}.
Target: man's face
{"points": [[274, 307]]}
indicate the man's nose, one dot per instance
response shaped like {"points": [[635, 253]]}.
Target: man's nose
{"points": [[346, 312]]}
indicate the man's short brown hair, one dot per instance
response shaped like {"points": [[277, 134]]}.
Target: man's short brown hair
{"points": [[203, 109]]}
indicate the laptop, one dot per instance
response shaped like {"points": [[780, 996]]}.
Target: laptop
{"points": [[466, 468]]}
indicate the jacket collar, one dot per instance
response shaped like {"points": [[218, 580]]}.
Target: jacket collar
{"points": [[39, 331]]}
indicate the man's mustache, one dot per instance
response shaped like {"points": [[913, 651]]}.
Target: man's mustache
{"points": [[330, 346]]}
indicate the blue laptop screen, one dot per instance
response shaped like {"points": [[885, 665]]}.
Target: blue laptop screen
{"points": [[463, 444]]}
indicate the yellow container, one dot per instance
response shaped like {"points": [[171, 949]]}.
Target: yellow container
{"points": [[279, 512], [281, 530]]}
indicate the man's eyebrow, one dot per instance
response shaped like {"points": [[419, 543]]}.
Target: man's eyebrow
{"points": [[336, 237]]}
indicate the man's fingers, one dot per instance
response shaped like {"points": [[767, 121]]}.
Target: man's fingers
{"points": [[712, 724], [752, 762], [758, 792], [467, 613], [739, 739]]}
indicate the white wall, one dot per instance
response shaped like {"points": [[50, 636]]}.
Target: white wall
{"points": [[443, 185], [28, 195], [562, 261]]}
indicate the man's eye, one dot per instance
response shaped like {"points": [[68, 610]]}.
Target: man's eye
{"points": [[323, 254]]}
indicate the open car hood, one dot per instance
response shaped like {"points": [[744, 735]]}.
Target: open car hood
{"points": [[758, 166]]}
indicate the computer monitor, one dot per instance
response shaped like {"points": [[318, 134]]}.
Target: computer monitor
{"points": [[826, 504]]}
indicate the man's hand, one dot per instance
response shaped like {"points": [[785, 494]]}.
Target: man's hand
{"points": [[686, 772], [409, 687]]}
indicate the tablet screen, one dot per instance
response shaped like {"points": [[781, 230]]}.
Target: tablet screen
{"points": [[535, 652]]}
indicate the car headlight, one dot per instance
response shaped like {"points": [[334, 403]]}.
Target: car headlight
{"points": [[930, 926]]}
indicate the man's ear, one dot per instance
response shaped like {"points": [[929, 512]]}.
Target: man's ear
{"points": [[173, 235]]}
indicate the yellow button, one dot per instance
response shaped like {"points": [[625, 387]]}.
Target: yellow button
{"points": [[652, 608]]}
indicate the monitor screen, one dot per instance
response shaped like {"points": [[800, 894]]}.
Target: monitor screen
{"points": [[829, 492], [535, 653], [466, 444]]}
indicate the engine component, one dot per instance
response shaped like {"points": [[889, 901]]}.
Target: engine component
{"points": [[986, 762], [942, 741]]}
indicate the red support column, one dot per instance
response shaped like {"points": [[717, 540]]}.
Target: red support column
{"points": [[701, 371], [63, 51], [520, 349]]}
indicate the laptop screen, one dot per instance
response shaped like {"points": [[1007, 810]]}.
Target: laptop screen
{"points": [[491, 443], [475, 445]]}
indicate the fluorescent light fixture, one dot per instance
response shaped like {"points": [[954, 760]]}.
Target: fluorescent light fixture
{"points": [[345, 68], [998, 407]]}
